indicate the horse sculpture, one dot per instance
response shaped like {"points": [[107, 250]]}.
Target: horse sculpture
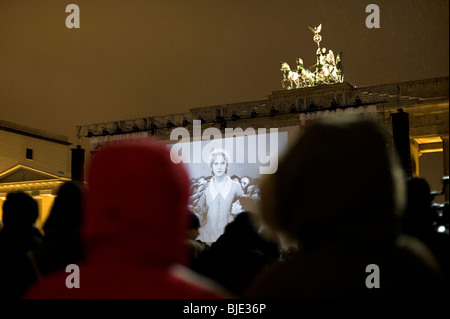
{"points": [[328, 69], [306, 76], [289, 75]]}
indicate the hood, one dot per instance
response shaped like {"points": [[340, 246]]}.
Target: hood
{"points": [[136, 205]]}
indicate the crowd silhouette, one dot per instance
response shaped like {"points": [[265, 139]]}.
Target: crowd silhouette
{"points": [[342, 205], [62, 244], [338, 203], [18, 238], [133, 230], [237, 256]]}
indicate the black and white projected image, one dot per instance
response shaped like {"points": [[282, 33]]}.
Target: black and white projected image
{"points": [[225, 176]]}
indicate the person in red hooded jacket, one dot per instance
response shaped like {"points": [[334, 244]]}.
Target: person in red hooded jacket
{"points": [[134, 230]]}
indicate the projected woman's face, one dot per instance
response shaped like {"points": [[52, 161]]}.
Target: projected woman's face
{"points": [[219, 165]]}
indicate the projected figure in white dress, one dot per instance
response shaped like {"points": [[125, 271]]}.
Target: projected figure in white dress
{"points": [[215, 204]]}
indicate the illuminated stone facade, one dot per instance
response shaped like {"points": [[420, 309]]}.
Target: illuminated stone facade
{"points": [[32, 161]]}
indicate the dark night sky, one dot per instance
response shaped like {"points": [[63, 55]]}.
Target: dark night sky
{"points": [[133, 59]]}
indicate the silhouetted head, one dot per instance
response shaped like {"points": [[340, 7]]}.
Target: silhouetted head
{"points": [[20, 211], [339, 178], [193, 226], [67, 208], [243, 229], [194, 221], [418, 214]]}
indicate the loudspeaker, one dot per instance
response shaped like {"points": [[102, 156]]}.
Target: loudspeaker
{"points": [[400, 132]]}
